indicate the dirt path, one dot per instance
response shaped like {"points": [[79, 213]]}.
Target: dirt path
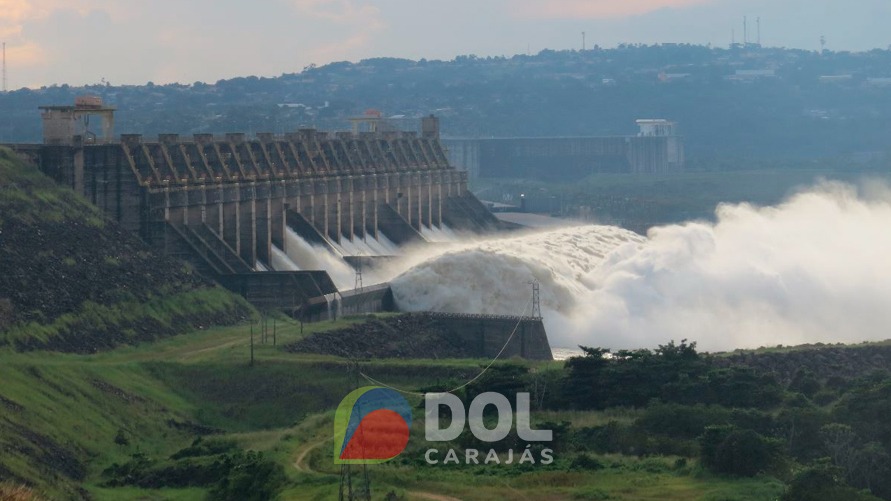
{"points": [[300, 462], [211, 348], [430, 496]]}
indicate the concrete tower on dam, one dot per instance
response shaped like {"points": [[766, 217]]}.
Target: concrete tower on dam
{"points": [[226, 203]]}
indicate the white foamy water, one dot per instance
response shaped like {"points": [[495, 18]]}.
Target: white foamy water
{"points": [[310, 257], [439, 234], [566, 353], [494, 276], [812, 269], [281, 262], [366, 246]]}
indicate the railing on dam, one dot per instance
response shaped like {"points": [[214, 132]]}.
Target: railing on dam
{"points": [[473, 316]]}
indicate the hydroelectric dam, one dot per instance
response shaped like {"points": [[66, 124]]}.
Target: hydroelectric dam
{"points": [[237, 207]]}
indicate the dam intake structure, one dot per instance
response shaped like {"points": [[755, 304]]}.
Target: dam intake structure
{"points": [[244, 210]]}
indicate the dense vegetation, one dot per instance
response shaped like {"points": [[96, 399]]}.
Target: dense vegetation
{"points": [[71, 280], [791, 112], [823, 433]]}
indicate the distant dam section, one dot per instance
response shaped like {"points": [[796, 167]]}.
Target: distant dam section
{"points": [[657, 149]]}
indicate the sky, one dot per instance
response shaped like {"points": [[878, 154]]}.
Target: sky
{"points": [[136, 41]]}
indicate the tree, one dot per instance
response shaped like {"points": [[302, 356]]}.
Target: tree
{"points": [[742, 453], [581, 387], [805, 382], [843, 447], [822, 483]]}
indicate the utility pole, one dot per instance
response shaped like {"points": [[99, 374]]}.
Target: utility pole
{"points": [[252, 342]]}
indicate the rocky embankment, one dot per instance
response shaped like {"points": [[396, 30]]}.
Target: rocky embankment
{"points": [[404, 336], [72, 280]]}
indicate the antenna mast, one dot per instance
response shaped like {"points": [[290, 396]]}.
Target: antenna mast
{"points": [[758, 21], [4, 67]]}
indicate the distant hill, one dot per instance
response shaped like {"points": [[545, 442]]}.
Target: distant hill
{"points": [[71, 280], [745, 103]]}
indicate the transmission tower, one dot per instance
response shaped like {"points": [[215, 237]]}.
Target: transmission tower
{"points": [[358, 285], [362, 490], [536, 299]]}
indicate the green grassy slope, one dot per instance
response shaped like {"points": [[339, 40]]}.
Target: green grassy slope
{"points": [[71, 280], [68, 418]]}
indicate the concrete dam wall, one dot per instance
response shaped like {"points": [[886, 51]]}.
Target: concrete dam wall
{"points": [[487, 334], [231, 204], [225, 201]]}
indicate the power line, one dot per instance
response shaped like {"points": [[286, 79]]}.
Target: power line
{"points": [[485, 369]]}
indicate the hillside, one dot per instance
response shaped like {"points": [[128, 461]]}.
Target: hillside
{"points": [[739, 104], [190, 418], [71, 280]]}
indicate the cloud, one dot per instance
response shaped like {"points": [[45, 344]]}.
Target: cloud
{"points": [[26, 55], [595, 9], [363, 20], [812, 269], [339, 11], [26, 49]]}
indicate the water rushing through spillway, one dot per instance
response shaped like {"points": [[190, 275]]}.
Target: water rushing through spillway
{"points": [[494, 275], [313, 257], [814, 268]]}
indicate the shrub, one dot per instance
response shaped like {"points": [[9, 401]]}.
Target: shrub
{"points": [[742, 453]]}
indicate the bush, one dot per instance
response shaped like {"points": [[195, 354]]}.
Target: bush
{"points": [[822, 483], [251, 478], [585, 462], [743, 453]]}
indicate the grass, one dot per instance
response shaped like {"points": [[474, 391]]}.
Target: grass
{"points": [[73, 281], [159, 394], [96, 326]]}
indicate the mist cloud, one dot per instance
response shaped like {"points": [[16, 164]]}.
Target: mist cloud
{"points": [[815, 268]]}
